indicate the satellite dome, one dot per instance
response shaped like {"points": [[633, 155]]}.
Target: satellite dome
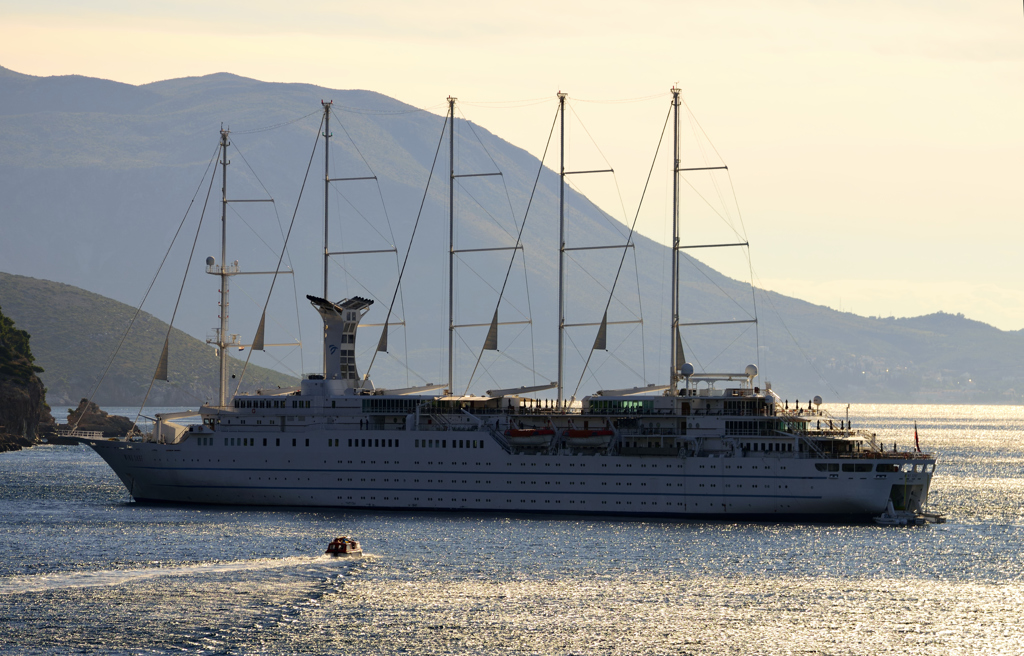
{"points": [[817, 400], [210, 261], [686, 369], [751, 370]]}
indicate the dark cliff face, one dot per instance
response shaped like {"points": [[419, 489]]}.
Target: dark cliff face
{"points": [[23, 410]]}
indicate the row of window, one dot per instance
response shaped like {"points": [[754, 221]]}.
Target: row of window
{"points": [[270, 403], [443, 444], [768, 446], [366, 442], [248, 441], [864, 467]]}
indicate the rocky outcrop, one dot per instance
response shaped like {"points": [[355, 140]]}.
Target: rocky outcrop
{"points": [[89, 417], [24, 415]]}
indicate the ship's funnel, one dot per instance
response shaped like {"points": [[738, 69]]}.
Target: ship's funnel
{"points": [[340, 323]]}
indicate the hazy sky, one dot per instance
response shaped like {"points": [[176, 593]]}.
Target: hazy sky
{"points": [[876, 148]]}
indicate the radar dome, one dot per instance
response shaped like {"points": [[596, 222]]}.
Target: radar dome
{"points": [[210, 261], [751, 370], [817, 400], [686, 369]]}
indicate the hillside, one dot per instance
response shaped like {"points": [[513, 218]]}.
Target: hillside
{"points": [[97, 175], [23, 409], [74, 334]]}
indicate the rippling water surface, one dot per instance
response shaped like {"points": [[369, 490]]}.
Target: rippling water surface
{"points": [[83, 568]]}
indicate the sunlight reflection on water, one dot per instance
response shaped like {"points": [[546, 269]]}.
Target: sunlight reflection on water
{"points": [[81, 567]]}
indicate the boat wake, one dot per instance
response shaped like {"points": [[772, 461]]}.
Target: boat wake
{"points": [[63, 580]]}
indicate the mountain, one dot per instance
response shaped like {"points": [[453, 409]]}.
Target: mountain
{"points": [[97, 176], [75, 334]]}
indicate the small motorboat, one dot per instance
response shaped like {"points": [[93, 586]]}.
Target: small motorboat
{"points": [[344, 547], [893, 517]]}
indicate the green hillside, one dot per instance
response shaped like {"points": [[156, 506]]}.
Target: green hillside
{"points": [[75, 332]]}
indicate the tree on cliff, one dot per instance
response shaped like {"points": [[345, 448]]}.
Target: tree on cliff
{"points": [[22, 395]]}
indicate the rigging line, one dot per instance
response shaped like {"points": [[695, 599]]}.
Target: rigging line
{"points": [[615, 177], [494, 289], [505, 102], [152, 282], [529, 305], [251, 170], [587, 132], [623, 100], [519, 237], [274, 127], [284, 247], [493, 218], [252, 230], [280, 229], [600, 284], [690, 260], [640, 307], [508, 197], [339, 195], [713, 209], [272, 318], [282, 364], [388, 112], [358, 282], [629, 240], [612, 222], [406, 366], [170, 326], [611, 355], [729, 345], [393, 241], [693, 353], [702, 147], [380, 193], [478, 140], [412, 238], [767, 295]]}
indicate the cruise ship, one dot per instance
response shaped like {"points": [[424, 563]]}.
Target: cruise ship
{"points": [[705, 445]]}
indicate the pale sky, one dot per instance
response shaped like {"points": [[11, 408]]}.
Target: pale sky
{"points": [[875, 147]]}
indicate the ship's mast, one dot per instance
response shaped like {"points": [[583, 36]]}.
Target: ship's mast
{"points": [[451, 243], [674, 366], [222, 344], [327, 187], [561, 248]]}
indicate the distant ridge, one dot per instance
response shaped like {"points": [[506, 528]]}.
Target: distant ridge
{"points": [[96, 175], [74, 333]]}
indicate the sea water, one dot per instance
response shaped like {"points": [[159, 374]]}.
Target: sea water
{"points": [[85, 569]]}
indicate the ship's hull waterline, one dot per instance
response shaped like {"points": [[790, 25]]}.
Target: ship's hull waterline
{"points": [[202, 469]]}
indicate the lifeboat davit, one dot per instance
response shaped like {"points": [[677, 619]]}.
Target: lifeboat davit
{"points": [[600, 437], [344, 547]]}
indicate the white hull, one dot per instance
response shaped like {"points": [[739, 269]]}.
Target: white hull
{"points": [[768, 487]]}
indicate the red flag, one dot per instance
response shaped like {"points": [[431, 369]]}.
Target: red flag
{"points": [[917, 445]]}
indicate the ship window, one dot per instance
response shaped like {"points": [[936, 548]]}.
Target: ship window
{"points": [[264, 441], [277, 442], [444, 443], [293, 441], [396, 442], [376, 443], [225, 441]]}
